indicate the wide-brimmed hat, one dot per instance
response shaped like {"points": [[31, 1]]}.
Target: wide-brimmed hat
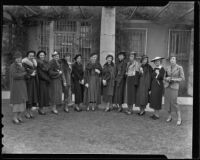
{"points": [[92, 54], [157, 58], [54, 53], [76, 56], [17, 54], [122, 53], [110, 55]]}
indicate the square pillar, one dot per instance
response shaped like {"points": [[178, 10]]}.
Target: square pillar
{"points": [[107, 36]]}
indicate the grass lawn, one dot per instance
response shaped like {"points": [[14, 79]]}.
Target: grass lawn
{"points": [[98, 132]]}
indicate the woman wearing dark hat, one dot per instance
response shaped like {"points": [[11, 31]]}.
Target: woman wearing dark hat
{"points": [[132, 77], [18, 89], [55, 73], [77, 77], [66, 66], [93, 82], [44, 81], [174, 75], [157, 87], [108, 80], [120, 69], [142, 95], [30, 65]]}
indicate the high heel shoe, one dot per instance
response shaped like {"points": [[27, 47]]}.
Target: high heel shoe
{"points": [[16, 122], [77, 109], [120, 110], [88, 109], [54, 111], [41, 112], [20, 120], [107, 109], [169, 119], [28, 116], [66, 110]]}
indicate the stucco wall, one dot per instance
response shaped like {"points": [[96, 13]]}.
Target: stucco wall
{"points": [[32, 38]]}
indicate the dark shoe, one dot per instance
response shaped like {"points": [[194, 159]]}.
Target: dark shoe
{"points": [[20, 120], [154, 117], [32, 117], [54, 111], [169, 119], [41, 112], [16, 121], [120, 110], [27, 116], [142, 113], [107, 110], [128, 112]]}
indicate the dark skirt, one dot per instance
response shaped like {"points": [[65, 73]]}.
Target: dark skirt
{"points": [[130, 90], [94, 89], [78, 92], [156, 94], [44, 97], [32, 90], [107, 98], [118, 97], [56, 92]]}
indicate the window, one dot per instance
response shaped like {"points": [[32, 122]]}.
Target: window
{"points": [[179, 43], [134, 40]]}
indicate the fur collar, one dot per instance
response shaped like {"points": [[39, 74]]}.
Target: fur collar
{"points": [[28, 62]]}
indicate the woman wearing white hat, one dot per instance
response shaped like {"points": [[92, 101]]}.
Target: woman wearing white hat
{"points": [[157, 87]]}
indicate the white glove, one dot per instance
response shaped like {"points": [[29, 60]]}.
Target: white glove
{"points": [[33, 74], [60, 72], [104, 82], [98, 71]]}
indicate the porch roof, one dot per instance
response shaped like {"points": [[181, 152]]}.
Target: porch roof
{"points": [[173, 12]]}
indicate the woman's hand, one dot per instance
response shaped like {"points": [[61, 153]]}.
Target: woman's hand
{"points": [[104, 82], [65, 84], [34, 73], [87, 85], [97, 71], [60, 72]]}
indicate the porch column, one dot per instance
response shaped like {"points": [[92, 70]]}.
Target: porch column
{"points": [[107, 37], [190, 68], [51, 39]]}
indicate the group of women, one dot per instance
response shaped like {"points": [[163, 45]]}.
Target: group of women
{"points": [[37, 82]]}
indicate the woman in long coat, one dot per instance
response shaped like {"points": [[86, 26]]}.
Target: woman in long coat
{"points": [[132, 73], [157, 87], [78, 80], [30, 65], [108, 80], [66, 66], [174, 75], [120, 69], [18, 90], [56, 82], [142, 95], [93, 82], [44, 81]]}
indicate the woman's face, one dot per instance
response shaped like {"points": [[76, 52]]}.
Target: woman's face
{"points": [[18, 60], [42, 56], [56, 57], [78, 59], [144, 61], [121, 57], [157, 62], [67, 58], [131, 57], [109, 60], [93, 58], [173, 60], [31, 55]]}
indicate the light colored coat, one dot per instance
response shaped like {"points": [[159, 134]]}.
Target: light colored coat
{"points": [[176, 74]]}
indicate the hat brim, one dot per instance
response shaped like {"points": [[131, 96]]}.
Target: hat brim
{"points": [[157, 59]]}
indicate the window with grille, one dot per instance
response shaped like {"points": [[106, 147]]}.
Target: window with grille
{"points": [[44, 36], [179, 43], [134, 40]]}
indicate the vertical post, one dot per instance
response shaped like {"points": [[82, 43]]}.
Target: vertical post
{"points": [[190, 64], [51, 40], [107, 37]]}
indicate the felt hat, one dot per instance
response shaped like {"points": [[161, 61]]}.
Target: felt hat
{"points": [[76, 56], [54, 53], [110, 55], [17, 54], [122, 53], [157, 58]]}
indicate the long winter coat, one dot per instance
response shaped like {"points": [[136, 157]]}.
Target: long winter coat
{"points": [[120, 80], [56, 83], [93, 92], [142, 95], [108, 75], [77, 76], [18, 89], [31, 81], [157, 88], [44, 83], [67, 70]]}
